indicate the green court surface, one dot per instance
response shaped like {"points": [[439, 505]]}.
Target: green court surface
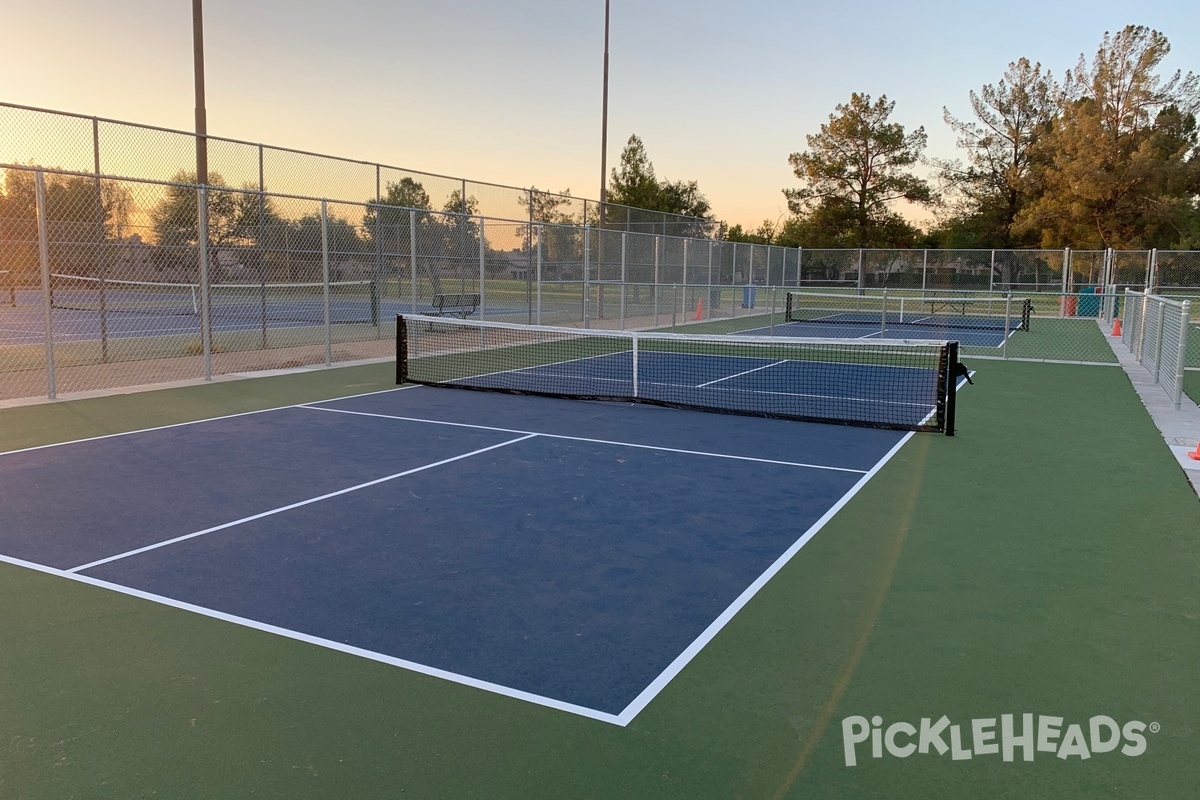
{"points": [[1043, 561]]}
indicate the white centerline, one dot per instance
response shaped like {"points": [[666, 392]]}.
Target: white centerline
{"points": [[583, 439], [740, 374], [281, 509]]}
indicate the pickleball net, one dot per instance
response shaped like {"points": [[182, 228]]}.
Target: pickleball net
{"points": [[951, 312], [899, 384]]}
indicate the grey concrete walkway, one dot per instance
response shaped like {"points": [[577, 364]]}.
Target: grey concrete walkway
{"points": [[1180, 429]]}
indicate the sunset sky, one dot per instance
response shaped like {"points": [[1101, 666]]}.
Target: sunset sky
{"points": [[509, 92]]}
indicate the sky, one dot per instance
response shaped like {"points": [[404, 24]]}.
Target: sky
{"points": [[510, 92]]}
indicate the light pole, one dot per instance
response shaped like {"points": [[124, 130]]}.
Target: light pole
{"points": [[603, 126], [603, 172], [201, 114]]}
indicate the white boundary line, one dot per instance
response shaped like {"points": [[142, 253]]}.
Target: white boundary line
{"points": [[291, 506], [658, 684], [411, 666], [195, 422], [627, 714], [579, 439]]}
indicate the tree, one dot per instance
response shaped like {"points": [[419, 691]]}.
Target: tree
{"points": [[682, 209], [239, 220], [561, 238], [993, 187], [1118, 167], [84, 217], [857, 167]]}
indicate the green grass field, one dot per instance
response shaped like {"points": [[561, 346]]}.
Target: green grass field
{"points": [[1042, 561]]}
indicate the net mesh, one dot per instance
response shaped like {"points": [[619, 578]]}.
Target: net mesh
{"points": [[897, 384], [999, 313], [349, 301]]}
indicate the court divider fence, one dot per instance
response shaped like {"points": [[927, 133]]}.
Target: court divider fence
{"points": [[117, 282], [1156, 329]]}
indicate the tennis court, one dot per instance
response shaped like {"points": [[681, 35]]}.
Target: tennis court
{"points": [[320, 584], [973, 322], [558, 552], [86, 308]]}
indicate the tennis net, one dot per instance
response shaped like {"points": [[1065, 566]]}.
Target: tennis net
{"points": [[349, 301], [905, 385], [1000, 313]]}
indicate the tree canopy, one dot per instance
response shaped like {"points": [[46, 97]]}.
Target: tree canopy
{"points": [[855, 169]]}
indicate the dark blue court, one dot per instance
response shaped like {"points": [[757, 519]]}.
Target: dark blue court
{"points": [[845, 326], [575, 554], [25, 324]]}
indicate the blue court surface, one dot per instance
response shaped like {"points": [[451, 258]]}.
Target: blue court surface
{"points": [[873, 329], [569, 553], [25, 324]]}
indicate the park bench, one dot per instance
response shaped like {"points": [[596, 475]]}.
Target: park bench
{"points": [[455, 305]]}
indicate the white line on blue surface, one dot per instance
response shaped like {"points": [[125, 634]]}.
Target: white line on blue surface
{"points": [[382, 658], [583, 439], [291, 506], [740, 374]]}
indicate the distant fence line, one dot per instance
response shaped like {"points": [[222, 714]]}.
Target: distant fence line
{"points": [[121, 282], [148, 230], [94, 145]]}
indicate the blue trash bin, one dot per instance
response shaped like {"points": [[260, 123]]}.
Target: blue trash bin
{"points": [[748, 296]]}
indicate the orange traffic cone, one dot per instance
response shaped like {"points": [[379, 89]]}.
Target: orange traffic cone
{"points": [[1195, 454], [700, 309], [1116, 331]]}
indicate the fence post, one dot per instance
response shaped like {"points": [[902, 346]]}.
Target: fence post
{"points": [[1158, 340], [1181, 356], [44, 261], [862, 273], [205, 316], [482, 272], [325, 282], [587, 263], [540, 228], [1066, 268], [624, 236], [1152, 284], [412, 260]]}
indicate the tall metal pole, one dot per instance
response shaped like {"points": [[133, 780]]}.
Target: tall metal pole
{"points": [[201, 113], [604, 127]]}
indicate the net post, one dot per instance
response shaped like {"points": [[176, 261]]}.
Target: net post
{"points": [[401, 349], [44, 262], [883, 316], [634, 340], [951, 388]]}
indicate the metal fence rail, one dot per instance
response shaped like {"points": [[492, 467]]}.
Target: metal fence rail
{"points": [[1156, 330], [109, 282]]}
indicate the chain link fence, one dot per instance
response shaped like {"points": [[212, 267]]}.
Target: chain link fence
{"points": [[149, 278], [75, 143]]}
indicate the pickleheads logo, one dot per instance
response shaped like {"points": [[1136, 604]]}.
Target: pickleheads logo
{"points": [[1030, 734]]}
